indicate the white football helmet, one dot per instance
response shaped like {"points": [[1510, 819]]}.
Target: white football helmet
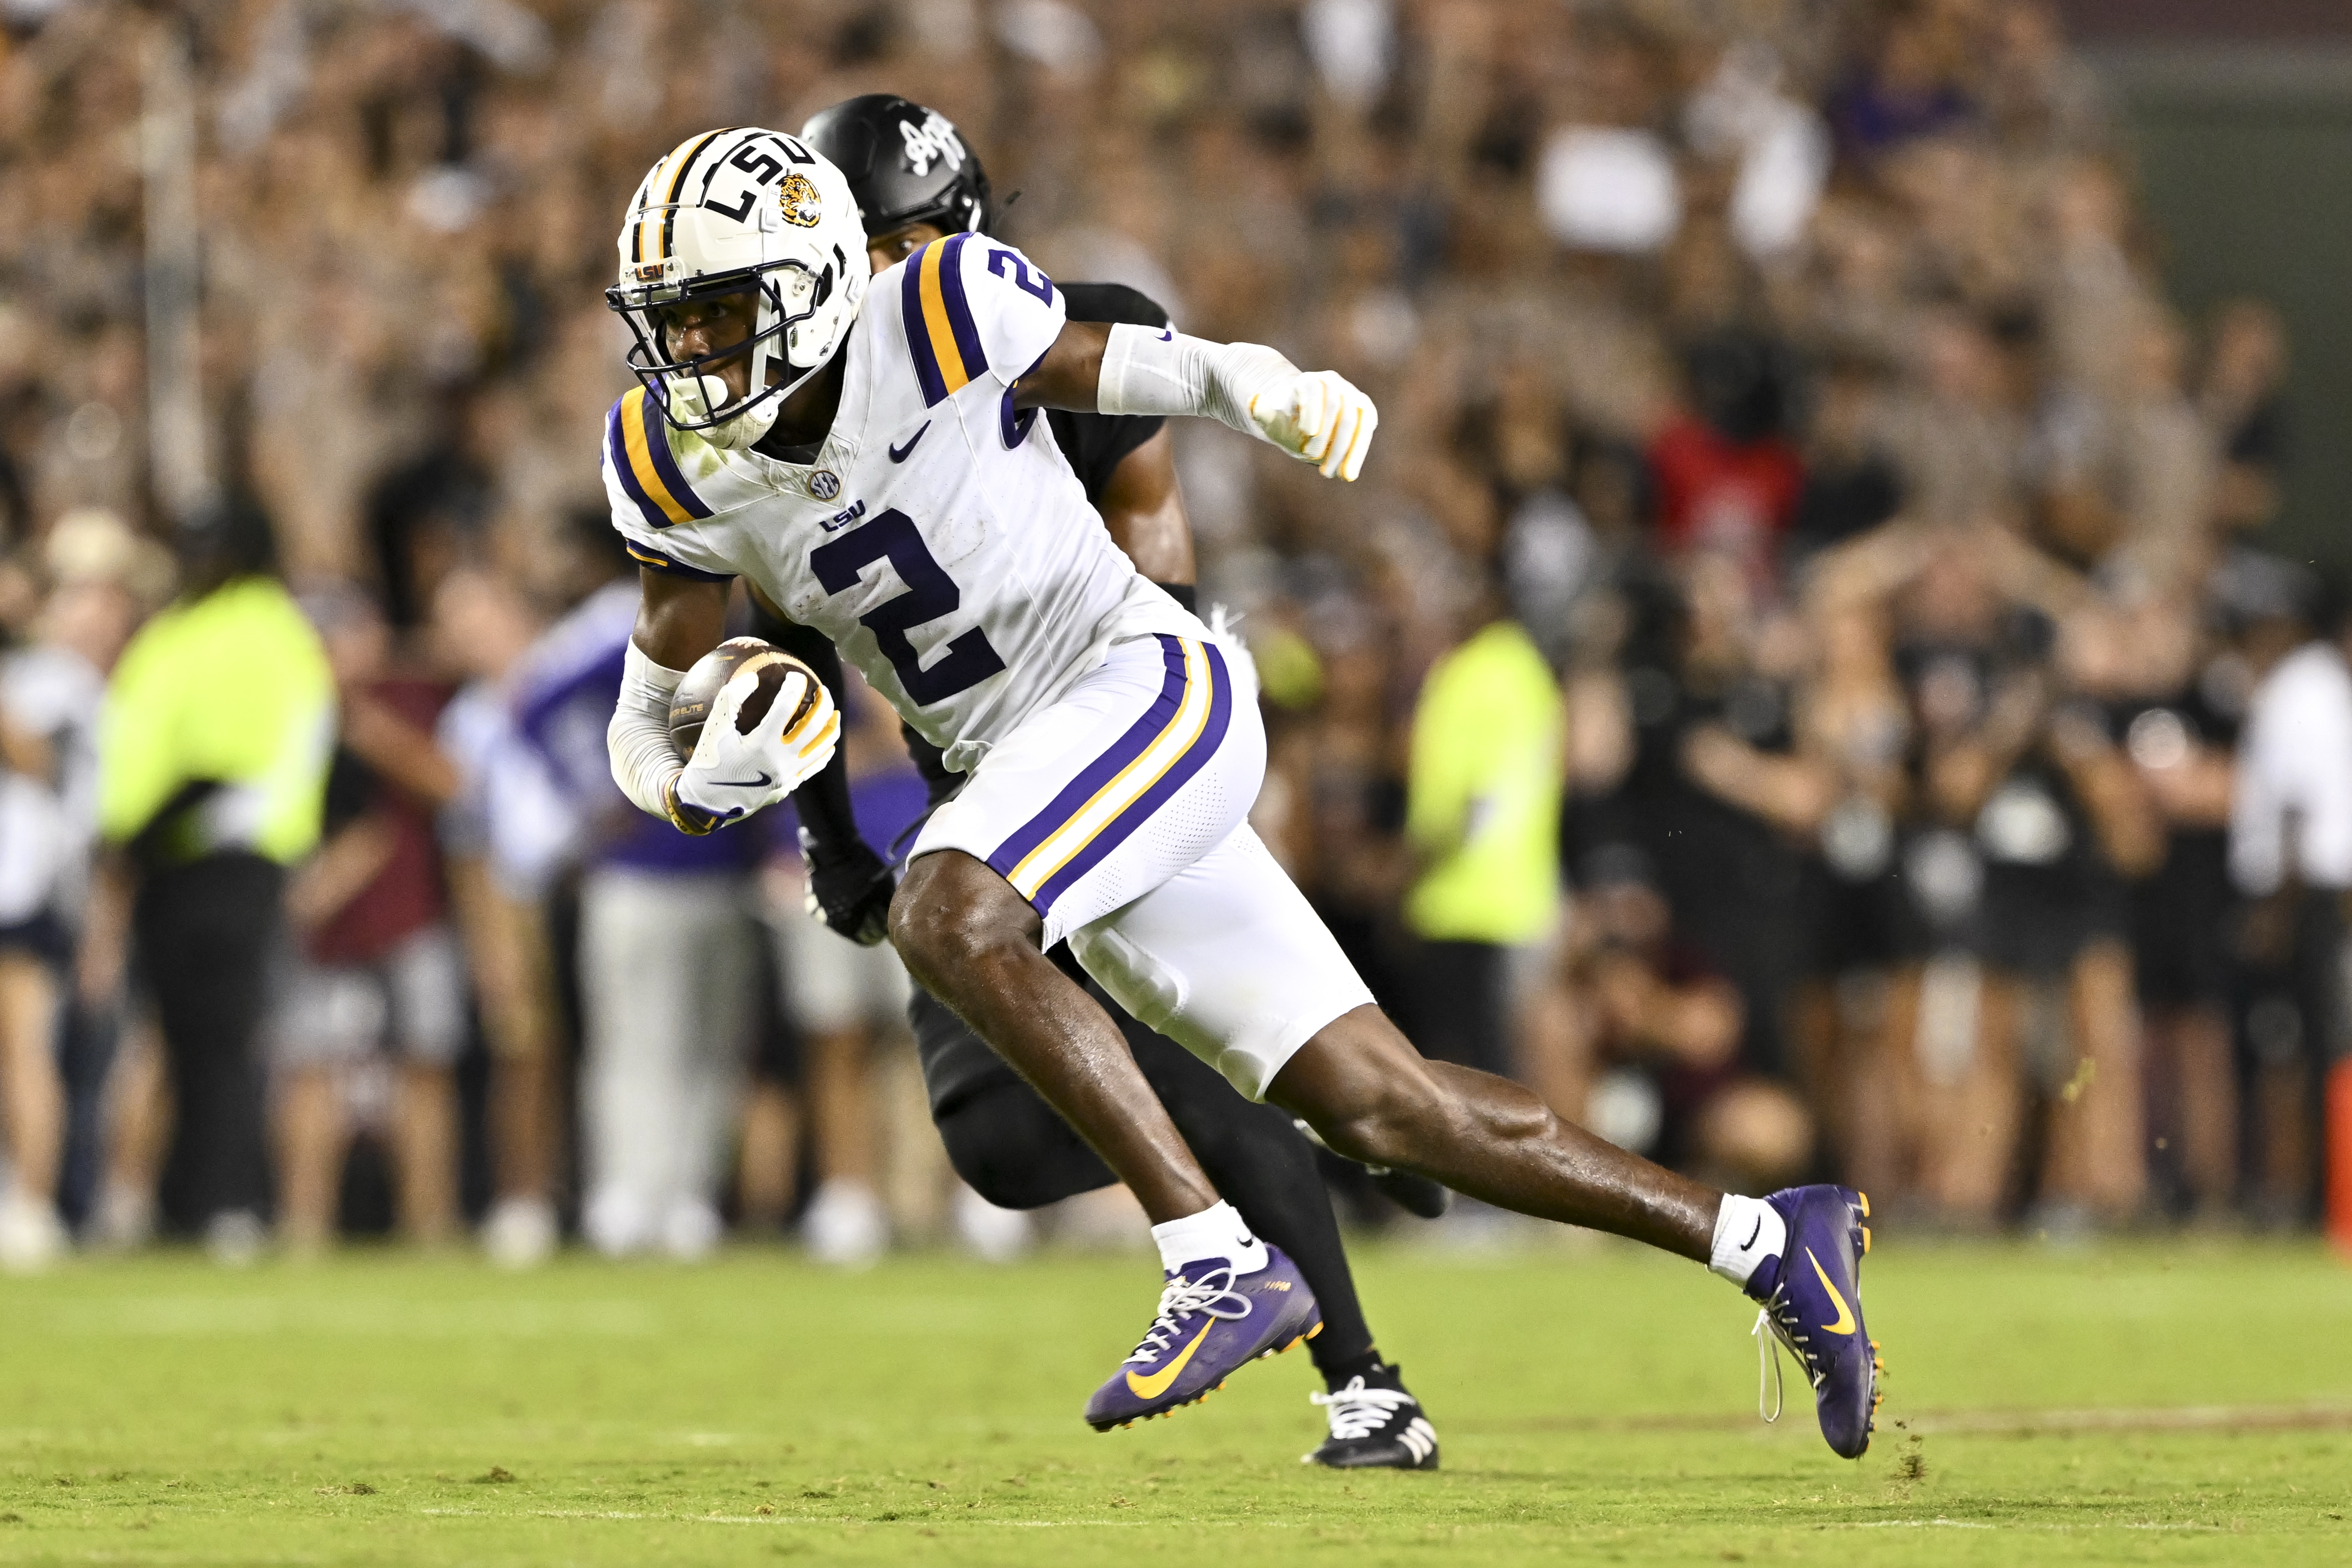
{"points": [[728, 212]]}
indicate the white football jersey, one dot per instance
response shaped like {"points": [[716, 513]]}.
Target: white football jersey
{"points": [[938, 537]]}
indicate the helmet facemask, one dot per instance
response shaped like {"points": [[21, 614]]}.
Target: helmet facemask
{"points": [[766, 228], [688, 390]]}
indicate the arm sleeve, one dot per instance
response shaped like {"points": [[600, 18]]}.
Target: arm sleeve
{"points": [[1144, 372], [822, 799], [645, 763]]}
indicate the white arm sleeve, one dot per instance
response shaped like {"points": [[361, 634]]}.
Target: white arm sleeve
{"points": [[644, 760], [1149, 372]]}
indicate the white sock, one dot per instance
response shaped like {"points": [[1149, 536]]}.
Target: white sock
{"points": [[1747, 1231], [1215, 1232]]}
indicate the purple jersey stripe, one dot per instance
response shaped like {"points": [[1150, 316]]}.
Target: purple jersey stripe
{"points": [[967, 330], [1103, 769], [1120, 828], [617, 449], [665, 464], [918, 337]]}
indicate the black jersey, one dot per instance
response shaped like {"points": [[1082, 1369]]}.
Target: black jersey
{"points": [[1094, 444]]}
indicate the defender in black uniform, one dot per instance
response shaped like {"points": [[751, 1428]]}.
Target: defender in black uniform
{"points": [[915, 182]]}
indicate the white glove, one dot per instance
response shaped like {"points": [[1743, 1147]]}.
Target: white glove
{"points": [[731, 774], [692, 397], [1318, 416]]}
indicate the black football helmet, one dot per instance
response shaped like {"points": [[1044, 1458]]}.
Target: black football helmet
{"points": [[906, 163]]}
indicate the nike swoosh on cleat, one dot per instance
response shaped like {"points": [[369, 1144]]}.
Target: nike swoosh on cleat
{"points": [[1155, 1385], [898, 453], [762, 781], [1845, 1323]]}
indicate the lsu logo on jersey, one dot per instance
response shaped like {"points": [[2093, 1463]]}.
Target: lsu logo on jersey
{"points": [[929, 142], [798, 201]]}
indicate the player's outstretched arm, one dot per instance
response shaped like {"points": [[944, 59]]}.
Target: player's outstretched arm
{"points": [[1317, 416], [732, 773]]}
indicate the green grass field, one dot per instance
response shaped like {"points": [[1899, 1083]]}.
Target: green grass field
{"points": [[2185, 1405]]}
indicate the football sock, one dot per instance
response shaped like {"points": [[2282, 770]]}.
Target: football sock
{"points": [[1366, 1365], [1254, 1153], [1215, 1232], [1747, 1231]]}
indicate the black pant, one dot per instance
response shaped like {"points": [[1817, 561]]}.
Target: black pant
{"points": [[1016, 1152], [203, 932], [1458, 992]]}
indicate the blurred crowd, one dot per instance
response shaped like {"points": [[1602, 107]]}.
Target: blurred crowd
{"points": [[1797, 685]]}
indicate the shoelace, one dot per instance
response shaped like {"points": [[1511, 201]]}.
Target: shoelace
{"points": [[1356, 1411], [1181, 1298], [1784, 1329]]}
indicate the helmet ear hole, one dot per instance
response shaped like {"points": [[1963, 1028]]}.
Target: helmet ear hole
{"points": [[823, 287]]}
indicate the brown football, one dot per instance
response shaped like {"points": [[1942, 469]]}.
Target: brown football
{"points": [[690, 704]]}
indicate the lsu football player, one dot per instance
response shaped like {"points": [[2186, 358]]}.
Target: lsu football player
{"points": [[865, 450], [916, 181]]}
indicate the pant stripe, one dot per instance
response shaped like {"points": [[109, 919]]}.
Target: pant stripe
{"points": [[1118, 791]]}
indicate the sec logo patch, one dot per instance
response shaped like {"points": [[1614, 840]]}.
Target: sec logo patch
{"points": [[825, 484]]}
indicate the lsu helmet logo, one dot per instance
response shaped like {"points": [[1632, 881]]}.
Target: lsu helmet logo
{"points": [[933, 140], [799, 201]]}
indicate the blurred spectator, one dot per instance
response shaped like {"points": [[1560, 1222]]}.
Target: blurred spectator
{"points": [[848, 1006], [668, 957], [50, 693], [1707, 323], [373, 965], [1653, 1041], [504, 812], [1481, 812], [212, 757], [2291, 856]]}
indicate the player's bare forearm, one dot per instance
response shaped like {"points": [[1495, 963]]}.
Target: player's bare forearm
{"points": [[1144, 510], [679, 618], [1070, 374]]}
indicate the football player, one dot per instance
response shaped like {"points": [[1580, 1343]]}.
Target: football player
{"points": [[869, 458], [915, 181]]}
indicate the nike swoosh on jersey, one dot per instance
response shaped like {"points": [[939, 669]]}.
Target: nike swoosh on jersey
{"points": [[1155, 1385], [898, 453], [1845, 1323]]}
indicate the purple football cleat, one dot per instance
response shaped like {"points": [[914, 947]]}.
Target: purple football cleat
{"points": [[1812, 1296], [1211, 1321]]}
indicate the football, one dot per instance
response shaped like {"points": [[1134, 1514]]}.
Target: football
{"points": [[690, 704]]}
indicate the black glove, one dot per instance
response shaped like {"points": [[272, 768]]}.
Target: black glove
{"points": [[849, 889]]}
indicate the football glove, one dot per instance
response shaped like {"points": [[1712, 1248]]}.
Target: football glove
{"points": [[1319, 418], [732, 774], [849, 889]]}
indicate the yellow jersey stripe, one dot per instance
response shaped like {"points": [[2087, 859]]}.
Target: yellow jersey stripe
{"points": [[641, 458], [952, 374]]}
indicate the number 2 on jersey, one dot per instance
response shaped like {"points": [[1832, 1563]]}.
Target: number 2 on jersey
{"points": [[930, 594]]}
